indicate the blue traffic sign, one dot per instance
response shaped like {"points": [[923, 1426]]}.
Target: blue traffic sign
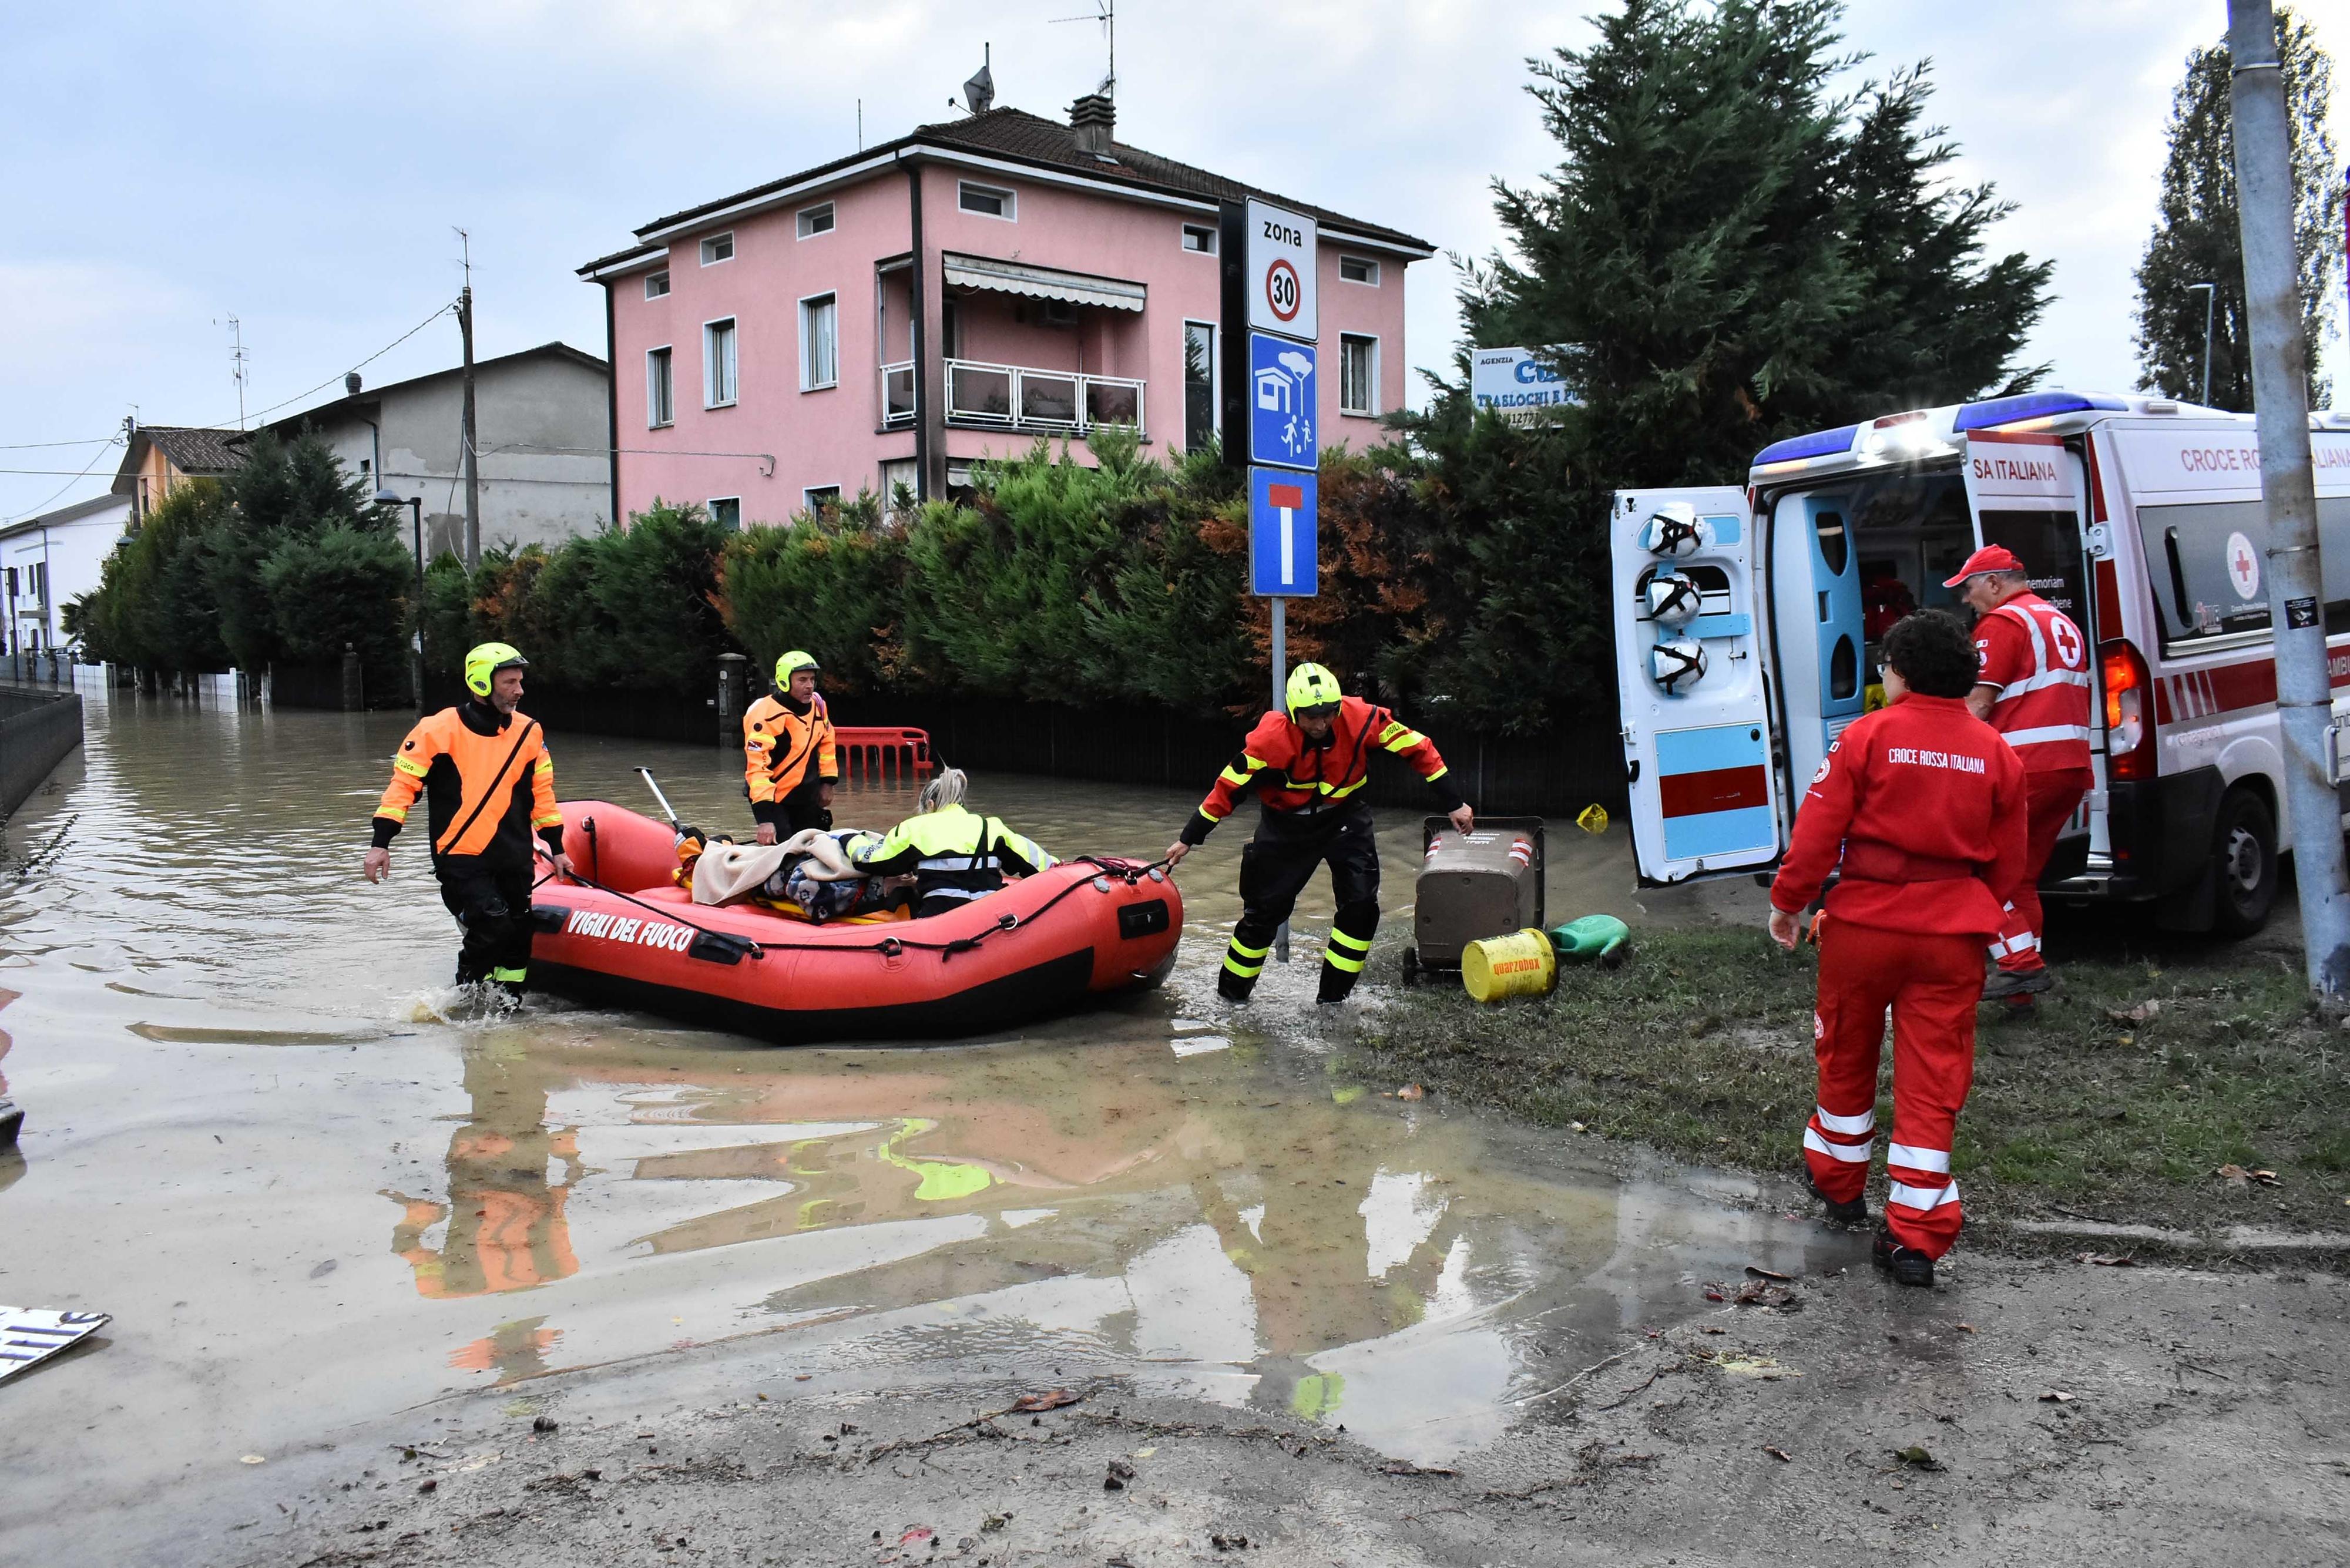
{"points": [[1281, 398], [1281, 532]]}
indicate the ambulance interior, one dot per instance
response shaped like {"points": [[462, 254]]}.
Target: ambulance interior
{"points": [[1846, 561]]}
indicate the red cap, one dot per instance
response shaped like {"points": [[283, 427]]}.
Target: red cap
{"points": [[1990, 558]]}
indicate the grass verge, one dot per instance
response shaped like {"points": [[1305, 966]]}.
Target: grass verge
{"points": [[2090, 1107]]}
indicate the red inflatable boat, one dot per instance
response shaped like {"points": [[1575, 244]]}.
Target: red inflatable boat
{"points": [[1084, 930]]}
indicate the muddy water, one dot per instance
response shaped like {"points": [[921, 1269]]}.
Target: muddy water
{"points": [[313, 1190]]}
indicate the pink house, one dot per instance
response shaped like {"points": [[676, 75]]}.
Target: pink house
{"points": [[888, 318]]}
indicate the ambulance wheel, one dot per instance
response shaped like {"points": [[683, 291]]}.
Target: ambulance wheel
{"points": [[2243, 864]]}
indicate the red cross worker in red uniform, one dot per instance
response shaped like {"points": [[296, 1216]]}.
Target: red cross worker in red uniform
{"points": [[1922, 807], [2034, 689]]}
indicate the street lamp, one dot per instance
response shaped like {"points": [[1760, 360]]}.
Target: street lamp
{"points": [[2210, 293], [386, 496]]}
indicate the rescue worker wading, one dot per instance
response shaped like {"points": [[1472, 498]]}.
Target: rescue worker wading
{"points": [[953, 854], [787, 753], [1309, 765], [488, 784], [1924, 805], [2032, 686]]}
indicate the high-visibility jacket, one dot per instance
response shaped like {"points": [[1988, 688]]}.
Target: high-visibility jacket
{"points": [[780, 744], [1292, 774], [955, 855], [487, 780], [2037, 657], [1925, 808]]}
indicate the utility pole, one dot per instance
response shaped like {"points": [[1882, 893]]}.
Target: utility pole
{"points": [[235, 360], [471, 454], [2289, 493]]}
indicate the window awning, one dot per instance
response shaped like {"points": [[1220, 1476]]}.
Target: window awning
{"points": [[1042, 282]]}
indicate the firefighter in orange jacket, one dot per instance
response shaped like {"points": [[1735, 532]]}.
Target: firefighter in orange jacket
{"points": [[788, 764], [1923, 805], [488, 786], [1309, 765]]}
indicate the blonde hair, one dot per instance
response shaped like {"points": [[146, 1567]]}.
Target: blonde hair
{"points": [[943, 791]]}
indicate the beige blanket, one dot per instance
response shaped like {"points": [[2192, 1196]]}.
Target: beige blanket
{"points": [[730, 871]]}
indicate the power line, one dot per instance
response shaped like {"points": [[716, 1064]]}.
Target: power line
{"points": [[61, 489], [30, 445]]}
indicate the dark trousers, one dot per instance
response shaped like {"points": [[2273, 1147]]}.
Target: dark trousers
{"points": [[1276, 866], [492, 904]]}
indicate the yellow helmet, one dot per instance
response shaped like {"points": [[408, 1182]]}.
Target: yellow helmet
{"points": [[486, 660], [1312, 690], [796, 660]]}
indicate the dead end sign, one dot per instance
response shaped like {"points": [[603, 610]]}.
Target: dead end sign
{"points": [[1281, 532]]}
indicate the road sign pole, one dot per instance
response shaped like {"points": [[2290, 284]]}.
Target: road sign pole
{"points": [[1281, 705]]}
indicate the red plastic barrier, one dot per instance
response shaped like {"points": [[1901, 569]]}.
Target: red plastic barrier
{"points": [[886, 753]]}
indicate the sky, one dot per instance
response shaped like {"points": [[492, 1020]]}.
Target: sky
{"points": [[303, 167]]}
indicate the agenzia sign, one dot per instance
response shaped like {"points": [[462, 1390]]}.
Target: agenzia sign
{"points": [[1515, 383], [1281, 391], [1281, 532]]}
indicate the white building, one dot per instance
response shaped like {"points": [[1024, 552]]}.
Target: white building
{"points": [[51, 559], [546, 422]]}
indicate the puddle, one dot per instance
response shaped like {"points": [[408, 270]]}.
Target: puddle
{"points": [[292, 1241]]}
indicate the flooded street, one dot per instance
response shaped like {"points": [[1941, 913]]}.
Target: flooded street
{"points": [[312, 1198]]}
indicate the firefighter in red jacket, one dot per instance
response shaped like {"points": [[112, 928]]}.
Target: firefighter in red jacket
{"points": [[1309, 765], [1924, 808], [2032, 686]]}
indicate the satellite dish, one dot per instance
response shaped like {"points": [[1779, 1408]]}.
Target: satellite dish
{"points": [[980, 91]]}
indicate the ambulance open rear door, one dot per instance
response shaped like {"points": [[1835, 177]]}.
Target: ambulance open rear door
{"points": [[1689, 654]]}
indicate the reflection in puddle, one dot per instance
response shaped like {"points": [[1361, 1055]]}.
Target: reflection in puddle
{"points": [[1154, 1192]]}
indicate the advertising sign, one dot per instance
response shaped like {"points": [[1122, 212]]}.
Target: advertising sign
{"points": [[1514, 384], [1279, 271]]}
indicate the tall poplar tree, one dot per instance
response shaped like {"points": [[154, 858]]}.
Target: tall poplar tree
{"points": [[2196, 238]]}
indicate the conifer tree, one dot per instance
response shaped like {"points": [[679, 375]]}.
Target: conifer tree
{"points": [[2196, 239]]}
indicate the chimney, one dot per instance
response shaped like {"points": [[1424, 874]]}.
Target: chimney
{"points": [[1093, 118], [351, 383]]}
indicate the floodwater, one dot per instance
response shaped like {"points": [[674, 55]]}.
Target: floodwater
{"points": [[313, 1193]]}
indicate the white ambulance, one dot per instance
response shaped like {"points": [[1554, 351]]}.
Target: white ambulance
{"points": [[1747, 625]]}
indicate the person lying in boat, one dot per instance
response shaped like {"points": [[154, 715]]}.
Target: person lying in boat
{"points": [[808, 877], [955, 856]]}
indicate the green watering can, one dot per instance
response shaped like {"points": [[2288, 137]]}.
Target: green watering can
{"points": [[1595, 939]]}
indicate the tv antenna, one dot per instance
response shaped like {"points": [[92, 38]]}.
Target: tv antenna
{"points": [[236, 359], [1106, 12]]}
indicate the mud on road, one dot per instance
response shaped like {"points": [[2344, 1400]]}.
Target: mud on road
{"points": [[2050, 1412]]}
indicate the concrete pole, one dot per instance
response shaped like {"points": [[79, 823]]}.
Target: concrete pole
{"points": [[471, 454], [2289, 493]]}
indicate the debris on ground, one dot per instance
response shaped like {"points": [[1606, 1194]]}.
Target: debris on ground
{"points": [[1761, 1367], [1051, 1399], [1120, 1472], [2057, 1397], [1411, 1092], [2240, 1176], [1917, 1457], [33, 1334], [2108, 1260], [1779, 1454], [2137, 1014], [544, 1423], [1756, 1270], [1229, 1542]]}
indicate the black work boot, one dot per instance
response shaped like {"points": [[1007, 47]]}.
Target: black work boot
{"points": [[2010, 983], [1907, 1265], [1232, 987], [1850, 1212]]}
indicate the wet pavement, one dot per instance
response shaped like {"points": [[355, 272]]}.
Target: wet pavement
{"points": [[264, 1135]]}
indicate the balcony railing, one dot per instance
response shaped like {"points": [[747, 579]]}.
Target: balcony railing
{"points": [[1018, 398]]}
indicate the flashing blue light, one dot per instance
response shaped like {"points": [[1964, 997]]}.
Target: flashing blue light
{"points": [[2031, 406], [1819, 443]]}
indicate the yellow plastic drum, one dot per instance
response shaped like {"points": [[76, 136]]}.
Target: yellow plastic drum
{"points": [[1520, 964]]}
